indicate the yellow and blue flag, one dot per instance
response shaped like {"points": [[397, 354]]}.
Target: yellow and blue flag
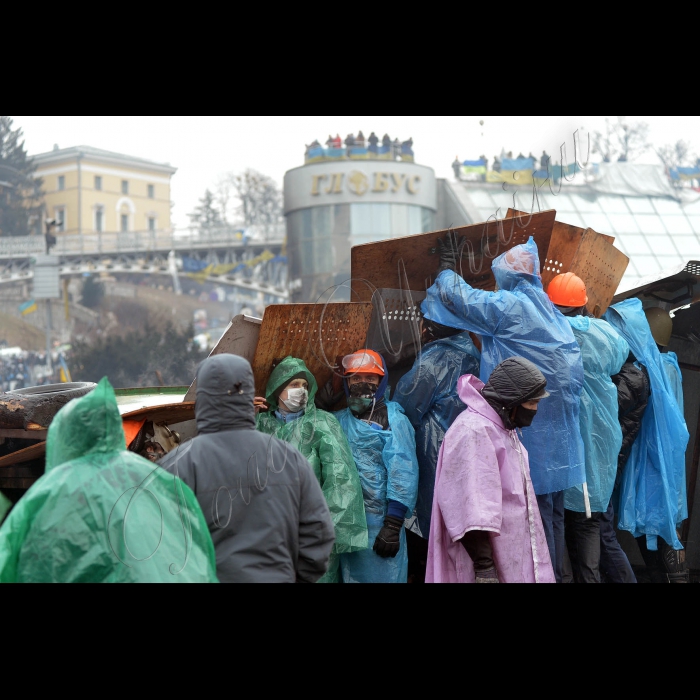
{"points": [[28, 307]]}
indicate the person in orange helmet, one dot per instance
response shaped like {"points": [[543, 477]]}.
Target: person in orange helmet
{"points": [[383, 444], [603, 351]]}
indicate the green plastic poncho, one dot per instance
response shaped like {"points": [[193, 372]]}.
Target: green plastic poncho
{"points": [[319, 437], [101, 514]]}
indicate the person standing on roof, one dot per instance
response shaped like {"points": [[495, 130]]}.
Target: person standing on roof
{"points": [[264, 508], [428, 395], [604, 352], [519, 319], [384, 447], [486, 526], [288, 412], [652, 492], [102, 514]]}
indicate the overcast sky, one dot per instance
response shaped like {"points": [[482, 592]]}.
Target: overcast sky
{"points": [[205, 148]]}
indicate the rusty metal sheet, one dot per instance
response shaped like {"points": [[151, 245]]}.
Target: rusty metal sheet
{"points": [[240, 338], [315, 333], [407, 262]]}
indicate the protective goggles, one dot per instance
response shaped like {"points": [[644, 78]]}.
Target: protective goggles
{"points": [[363, 362]]}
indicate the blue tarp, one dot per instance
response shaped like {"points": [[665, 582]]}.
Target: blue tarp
{"points": [[192, 265], [652, 493], [520, 320]]}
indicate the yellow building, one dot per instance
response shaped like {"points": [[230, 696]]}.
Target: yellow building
{"points": [[88, 190]]}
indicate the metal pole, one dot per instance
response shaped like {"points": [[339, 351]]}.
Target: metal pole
{"points": [[48, 336]]}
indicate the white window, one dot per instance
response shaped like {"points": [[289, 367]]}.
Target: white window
{"points": [[125, 223], [125, 187], [151, 191], [98, 182], [61, 182], [99, 218], [60, 216], [151, 223]]}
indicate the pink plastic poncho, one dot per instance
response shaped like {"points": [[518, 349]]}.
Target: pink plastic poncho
{"points": [[483, 483]]}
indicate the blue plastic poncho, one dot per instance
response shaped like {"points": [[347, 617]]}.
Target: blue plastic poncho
{"points": [[604, 351], [428, 395], [652, 496], [669, 362], [386, 461], [519, 319]]}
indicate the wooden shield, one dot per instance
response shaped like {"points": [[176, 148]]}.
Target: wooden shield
{"points": [[590, 255], [410, 262], [315, 333]]}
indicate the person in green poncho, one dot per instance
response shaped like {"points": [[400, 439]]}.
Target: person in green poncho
{"points": [[288, 412], [102, 514]]}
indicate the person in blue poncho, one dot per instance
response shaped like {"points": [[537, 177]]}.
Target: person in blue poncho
{"points": [[652, 493], [383, 444], [428, 395], [604, 352], [519, 319]]}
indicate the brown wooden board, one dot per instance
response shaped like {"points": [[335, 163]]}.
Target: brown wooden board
{"points": [[601, 266], [25, 455], [315, 333], [408, 263], [240, 338], [167, 413]]}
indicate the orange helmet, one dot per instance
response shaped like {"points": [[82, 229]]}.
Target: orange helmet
{"points": [[364, 361], [567, 290]]}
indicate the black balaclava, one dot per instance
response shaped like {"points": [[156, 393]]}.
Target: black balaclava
{"points": [[373, 407], [432, 330], [512, 383]]}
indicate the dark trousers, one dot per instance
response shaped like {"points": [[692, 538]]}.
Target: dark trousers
{"points": [[583, 544], [417, 550], [552, 513], [614, 564]]}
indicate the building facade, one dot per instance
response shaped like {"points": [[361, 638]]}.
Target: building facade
{"points": [[333, 205], [88, 190]]}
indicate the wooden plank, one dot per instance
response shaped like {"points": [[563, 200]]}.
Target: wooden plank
{"points": [[410, 262], [24, 455], [315, 333], [601, 266], [24, 434], [167, 413], [240, 338], [561, 253]]}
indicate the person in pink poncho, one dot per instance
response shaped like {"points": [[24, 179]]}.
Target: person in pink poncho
{"points": [[485, 525]]}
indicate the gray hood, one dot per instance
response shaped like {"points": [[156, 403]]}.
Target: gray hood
{"points": [[225, 393]]}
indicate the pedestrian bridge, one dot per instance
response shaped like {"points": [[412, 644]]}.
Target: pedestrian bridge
{"points": [[230, 257]]}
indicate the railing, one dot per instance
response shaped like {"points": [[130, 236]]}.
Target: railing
{"points": [[136, 241]]}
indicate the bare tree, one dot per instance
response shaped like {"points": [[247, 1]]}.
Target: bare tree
{"points": [[677, 155], [223, 195], [621, 141], [260, 200]]}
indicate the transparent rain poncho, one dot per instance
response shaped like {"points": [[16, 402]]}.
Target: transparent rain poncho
{"points": [[604, 351], [317, 435], [520, 320], [386, 461], [101, 514], [652, 494]]}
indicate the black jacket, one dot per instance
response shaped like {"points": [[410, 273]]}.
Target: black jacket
{"points": [[265, 509], [633, 391]]}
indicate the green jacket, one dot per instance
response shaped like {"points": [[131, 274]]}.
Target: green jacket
{"points": [[319, 437], [101, 514]]}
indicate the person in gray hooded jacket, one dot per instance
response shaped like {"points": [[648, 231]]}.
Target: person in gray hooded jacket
{"points": [[264, 507]]}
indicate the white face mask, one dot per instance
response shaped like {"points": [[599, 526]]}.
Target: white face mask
{"points": [[296, 399]]}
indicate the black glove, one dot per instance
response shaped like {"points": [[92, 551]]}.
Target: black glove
{"points": [[450, 249], [387, 543]]}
